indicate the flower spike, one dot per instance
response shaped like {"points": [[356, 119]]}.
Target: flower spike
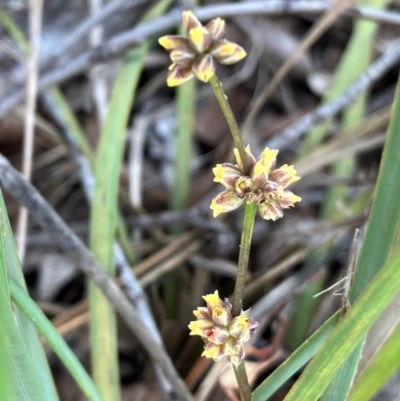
{"points": [[223, 334], [265, 185], [197, 53]]}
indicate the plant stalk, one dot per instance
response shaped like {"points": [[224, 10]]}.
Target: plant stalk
{"points": [[243, 381], [219, 93], [247, 231], [244, 253]]}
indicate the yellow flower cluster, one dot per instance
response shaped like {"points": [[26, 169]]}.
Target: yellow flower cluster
{"points": [[223, 335], [264, 185], [197, 53]]}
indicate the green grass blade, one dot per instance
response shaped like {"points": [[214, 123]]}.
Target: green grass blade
{"points": [[382, 366], [384, 217], [348, 333], [185, 119], [30, 375], [339, 387], [305, 305], [186, 114], [73, 124], [5, 323], [14, 31], [379, 238], [354, 60], [5, 362], [47, 330], [104, 212], [295, 362]]}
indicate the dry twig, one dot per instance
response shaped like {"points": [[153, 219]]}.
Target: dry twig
{"points": [[35, 25]]}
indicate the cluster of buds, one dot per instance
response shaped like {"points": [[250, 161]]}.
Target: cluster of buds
{"points": [[222, 334], [264, 185], [197, 53]]}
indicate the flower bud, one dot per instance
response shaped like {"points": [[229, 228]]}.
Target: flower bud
{"points": [[231, 346], [226, 52], [204, 67], [225, 202], [202, 313], [213, 300], [270, 210], [238, 326], [213, 351], [217, 335], [199, 327], [178, 75], [189, 21], [216, 27], [244, 185], [226, 174], [199, 39], [221, 316]]}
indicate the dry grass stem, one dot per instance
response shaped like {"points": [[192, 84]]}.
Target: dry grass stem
{"points": [[35, 25]]}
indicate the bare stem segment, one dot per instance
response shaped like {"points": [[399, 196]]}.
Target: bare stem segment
{"points": [[216, 86]]}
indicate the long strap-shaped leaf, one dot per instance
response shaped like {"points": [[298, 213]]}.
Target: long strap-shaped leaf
{"points": [[346, 336], [59, 346], [379, 370], [295, 362], [27, 368], [104, 212], [379, 238]]}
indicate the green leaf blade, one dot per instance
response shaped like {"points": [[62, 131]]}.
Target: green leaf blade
{"points": [[346, 336], [296, 361]]}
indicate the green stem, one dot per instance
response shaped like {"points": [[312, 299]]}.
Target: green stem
{"points": [[245, 242], [219, 93], [243, 382], [247, 232]]}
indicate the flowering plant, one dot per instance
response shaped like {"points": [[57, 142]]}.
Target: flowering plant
{"points": [[253, 182]]}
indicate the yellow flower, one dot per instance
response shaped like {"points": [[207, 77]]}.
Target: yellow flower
{"points": [[196, 53], [264, 185], [223, 334]]}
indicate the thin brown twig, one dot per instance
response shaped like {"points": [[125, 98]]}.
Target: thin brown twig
{"points": [[317, 30], [172, 263], [35, 25], [134, 37], [184, 241], [22, 190]]}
